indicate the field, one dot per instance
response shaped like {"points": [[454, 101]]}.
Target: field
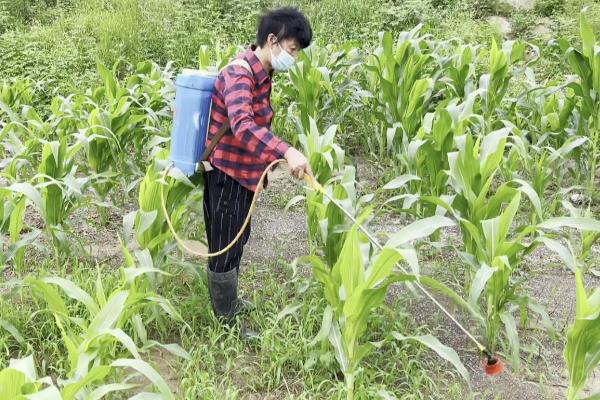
{"points": [[464, 134]]}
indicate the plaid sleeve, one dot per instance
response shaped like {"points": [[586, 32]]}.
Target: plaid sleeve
{"points": [[259, 140]]}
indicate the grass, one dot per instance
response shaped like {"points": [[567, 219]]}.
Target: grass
{"points": [[282, 364], [61, 44]]}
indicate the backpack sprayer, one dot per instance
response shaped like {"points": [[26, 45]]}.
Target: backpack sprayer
{"points": [[189, 153]]}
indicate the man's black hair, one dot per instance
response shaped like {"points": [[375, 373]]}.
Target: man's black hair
{"points": [[285, 23]]}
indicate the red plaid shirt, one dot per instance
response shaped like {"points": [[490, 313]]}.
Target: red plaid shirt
{"points": [[245, 98]]}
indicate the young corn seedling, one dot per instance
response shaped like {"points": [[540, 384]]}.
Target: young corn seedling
{"points": [[424, 160], [459, 77], [588, 230], [312, 90], [586, 65], [486, 217], [15, 94], [495, 83], [57, 192], [543, 114], [402, 75], [152, 232], [96, 337], [582, 351], [327, 163], [355, 286], [12, 214], [19, 381], [542, 166]]}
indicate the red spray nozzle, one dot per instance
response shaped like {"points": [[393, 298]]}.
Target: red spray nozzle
{"points": [[493, 365]]}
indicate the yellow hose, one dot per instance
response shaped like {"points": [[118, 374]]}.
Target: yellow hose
{"points": [[192, 246], [314, 184]]}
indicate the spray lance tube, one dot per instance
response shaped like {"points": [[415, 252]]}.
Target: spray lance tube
{"points": [[188, 146], [493, 365]]}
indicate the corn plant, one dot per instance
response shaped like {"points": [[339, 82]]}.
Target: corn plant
{"points": [[16, 94], [215, 57], [402, 75], [114, 114], [542, 166], [543, 114], [327, 163], [19, 381], [588, 228], [495, 83], [312, 89], [12, 213], [586, 65], [492, 252], [582, 351], [354, 287], [152, 232], [97, 336], [459, 77], [57, 192], [423, 161]]}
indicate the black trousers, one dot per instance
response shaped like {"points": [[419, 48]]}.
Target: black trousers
{"points": [[226, 204]]}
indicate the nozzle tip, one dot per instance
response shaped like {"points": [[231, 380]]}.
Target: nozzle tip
{"points": [[493, 366]]}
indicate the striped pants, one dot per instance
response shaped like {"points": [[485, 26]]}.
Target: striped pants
{"points": [[226, 204]]}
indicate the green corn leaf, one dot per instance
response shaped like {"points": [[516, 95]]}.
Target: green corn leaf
{"points": [[118, 334], [109, 313], [350, 264], [447, 353], [455, 297], [513, 337], [49, 393], [145, 369], [482, 276], [172, 348], [582, 351], [10, 328], [419, 229], [31, 193], [588, 39], [49, 295], [335, 338], [103, 390], [11, 381], [381, 269], [400, 181], [97, 373], [581, 223], [147, 396], [74, 292], [565, 254], [325, 326]]}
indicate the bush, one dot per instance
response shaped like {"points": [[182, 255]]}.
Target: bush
{"points": [[547, 8]]}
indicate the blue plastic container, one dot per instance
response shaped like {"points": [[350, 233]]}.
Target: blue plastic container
{"points": [[192, 115]]}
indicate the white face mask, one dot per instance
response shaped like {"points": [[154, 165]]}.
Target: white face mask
{"points": [[283, 61]]}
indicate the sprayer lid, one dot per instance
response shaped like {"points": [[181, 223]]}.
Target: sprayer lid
{"points": [[197, 79]]}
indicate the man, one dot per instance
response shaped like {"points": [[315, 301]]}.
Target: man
{"points": [[242, 96]]}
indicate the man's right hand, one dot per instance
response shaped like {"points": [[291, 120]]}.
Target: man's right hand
{"points": [[297, 163]]}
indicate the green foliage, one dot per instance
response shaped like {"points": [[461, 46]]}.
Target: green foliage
{"points": [[582, 351]]}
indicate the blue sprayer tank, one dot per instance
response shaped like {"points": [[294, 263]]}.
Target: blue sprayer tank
{"points": [[192, 115]]}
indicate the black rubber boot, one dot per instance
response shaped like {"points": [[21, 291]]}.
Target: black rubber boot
{"points": [[222, 287]]}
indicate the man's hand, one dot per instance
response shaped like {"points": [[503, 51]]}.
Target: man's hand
{"points": [[298, 163]]}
